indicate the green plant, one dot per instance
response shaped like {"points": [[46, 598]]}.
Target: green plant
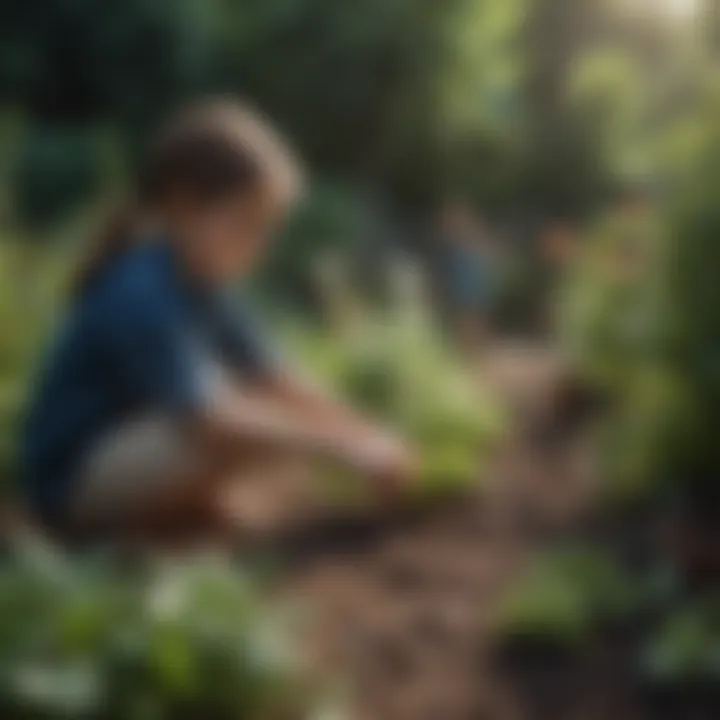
{"points": [[609, 313], [80, 639], [394, 365], [669, 395], [687, 646], [31, 278], [567, 595]]}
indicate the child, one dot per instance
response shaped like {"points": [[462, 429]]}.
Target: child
{"points": [[158, 394], [466, 268]]}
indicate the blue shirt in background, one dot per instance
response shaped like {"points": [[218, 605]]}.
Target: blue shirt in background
{"points": [[139, 339], [467, 277]]}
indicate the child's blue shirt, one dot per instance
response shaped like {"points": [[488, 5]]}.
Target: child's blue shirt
{"points": [[137, 340]]}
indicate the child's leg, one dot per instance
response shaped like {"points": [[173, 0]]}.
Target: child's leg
{"points": [[147, 481]]}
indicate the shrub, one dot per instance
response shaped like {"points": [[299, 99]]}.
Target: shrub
{"points": [[81, 639], [687, 645], [392, 363], [568, 595], [31, 278]]}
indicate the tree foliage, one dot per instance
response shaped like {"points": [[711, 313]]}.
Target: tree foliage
{"points": [[418, 98]]}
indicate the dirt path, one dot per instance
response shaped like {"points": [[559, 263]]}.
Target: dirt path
{"points": [[406, 610]]}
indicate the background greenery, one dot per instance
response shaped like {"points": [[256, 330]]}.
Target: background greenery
{"points": [[530, 110]]}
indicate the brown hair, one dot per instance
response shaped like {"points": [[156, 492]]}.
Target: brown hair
{"points": [[207, 152]]}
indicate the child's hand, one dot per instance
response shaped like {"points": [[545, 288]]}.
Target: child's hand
{"points": [[388, 462]]}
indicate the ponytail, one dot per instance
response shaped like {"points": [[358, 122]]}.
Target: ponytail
{"points": [[115, 236]]}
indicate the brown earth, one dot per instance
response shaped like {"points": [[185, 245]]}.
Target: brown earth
{"points": [[405, 608]]}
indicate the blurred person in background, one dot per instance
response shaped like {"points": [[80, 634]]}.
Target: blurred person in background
{"points": [[158, 394], [556, 252], [599, 309], [466, 259], [569, 402], [633, 234], [558, 243]]}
